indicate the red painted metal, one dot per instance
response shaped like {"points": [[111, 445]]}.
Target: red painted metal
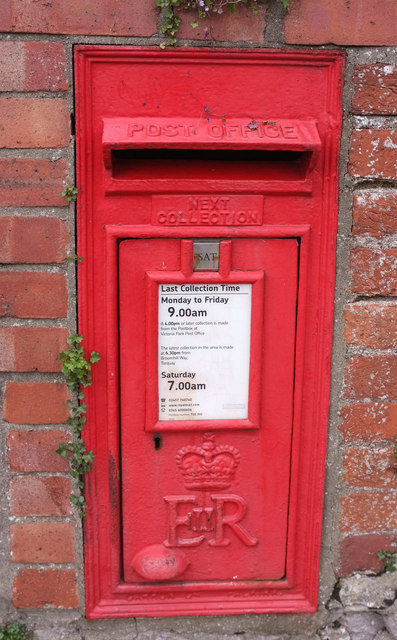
{"points": [[206, 516], [230, 133], [157, 494]]}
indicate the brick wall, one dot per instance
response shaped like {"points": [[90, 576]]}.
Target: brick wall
{"points": [[35, 236], [41, 537], [369, 426]]}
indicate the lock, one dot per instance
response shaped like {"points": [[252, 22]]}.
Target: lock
{"points": [[207, 221]]}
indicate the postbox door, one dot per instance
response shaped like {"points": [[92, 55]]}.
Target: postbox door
{"points": [[205, 499]]}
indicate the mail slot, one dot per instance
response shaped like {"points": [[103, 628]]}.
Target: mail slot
{"points": [[207, 221]]}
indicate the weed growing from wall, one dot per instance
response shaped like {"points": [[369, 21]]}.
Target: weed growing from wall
{"points": [[389, 560], [15, 631], [70, 193], [77, 371], [200, 9]]}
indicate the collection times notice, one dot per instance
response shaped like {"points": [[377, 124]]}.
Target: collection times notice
{"points": [[204, 351]]}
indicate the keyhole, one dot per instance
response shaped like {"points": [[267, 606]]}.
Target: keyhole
{"points": [[158, 442]]}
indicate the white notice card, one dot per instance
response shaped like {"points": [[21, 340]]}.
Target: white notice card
{"points": [[204, 351]]}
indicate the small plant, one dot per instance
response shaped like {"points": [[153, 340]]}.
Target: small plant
{"points": [[15, 631], [75, 258], [171, 21], [389, 560], [77, 371], [200, 9], [70, 193]]}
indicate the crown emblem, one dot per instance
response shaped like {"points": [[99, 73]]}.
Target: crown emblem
{"points": [[209, 466]]}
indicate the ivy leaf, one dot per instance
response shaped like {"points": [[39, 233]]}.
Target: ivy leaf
{"points": [[77, 371], [70, 193], [62, 450]]}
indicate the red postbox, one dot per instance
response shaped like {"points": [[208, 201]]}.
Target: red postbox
{"points": [[207, 223]]}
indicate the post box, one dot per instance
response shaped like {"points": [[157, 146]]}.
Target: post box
{"points": [[207, 221]]}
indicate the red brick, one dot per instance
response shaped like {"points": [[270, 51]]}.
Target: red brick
{"points": [[373, 377], [369, 511], [375, 87], [374, 271], [356, 22], [360, 553], [30, 451], [27, 123], [32, 66], [375, 213], [36, 402], [87, 17], [371, 324], [31, 348], [33, 240], [369, 422], [42, 542], [373, 154], [32, 182], [37, 294], [34, 496], [38, 588], [244, 26], [371, 467]]}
